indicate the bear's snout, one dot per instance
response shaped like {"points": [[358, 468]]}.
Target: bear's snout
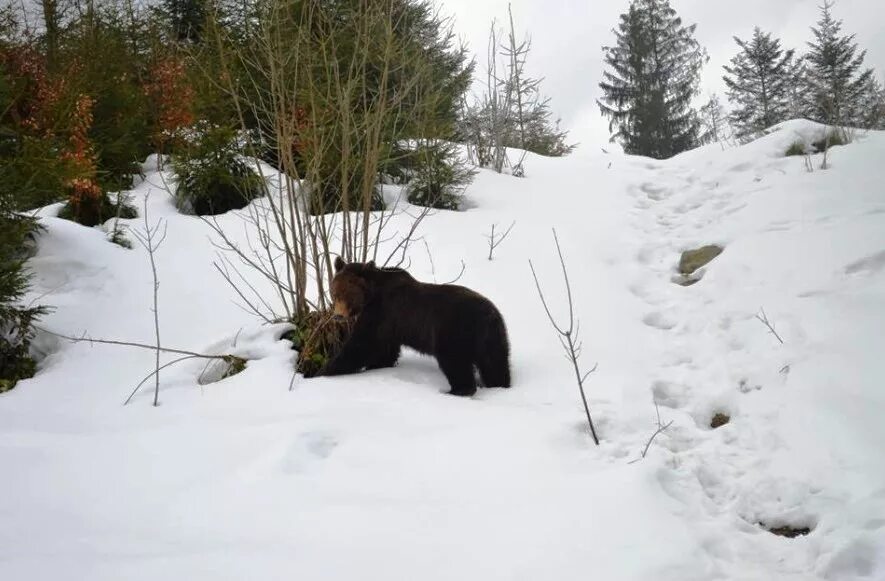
{"points": [[340, 311]]}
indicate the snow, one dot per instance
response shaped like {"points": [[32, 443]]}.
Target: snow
{"points": [[381, 476]]}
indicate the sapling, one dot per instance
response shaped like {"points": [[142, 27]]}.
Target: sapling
{"points": [[568, 335]]}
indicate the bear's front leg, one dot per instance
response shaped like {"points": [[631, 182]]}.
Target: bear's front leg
{"points": [[355, 353], [349, 360], [384, 356]]}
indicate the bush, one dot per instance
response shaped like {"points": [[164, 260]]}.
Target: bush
{"points": [[33, 170], [796, 148], [329, 197], [34, 174], [439, 176], [399, 167], [317, 337], [831, 138], [213, 177], [97, 211]]}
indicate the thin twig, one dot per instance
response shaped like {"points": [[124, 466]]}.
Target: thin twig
{"points": [[763, 318], [148, 239], [568, 336], [86, 339], [661, 429], [430, 258], [156, 373], [460, 274], [494, 240]]}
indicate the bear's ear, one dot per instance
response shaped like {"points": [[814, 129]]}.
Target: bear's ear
{"points": [[339, 264], [370, 265]]}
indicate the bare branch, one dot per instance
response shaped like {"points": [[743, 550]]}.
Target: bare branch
{"points": [[661, 428], [763, 318], [494, 240], [155, 373], [460, 274], [151, 238], [568, 336], [86, 339]]}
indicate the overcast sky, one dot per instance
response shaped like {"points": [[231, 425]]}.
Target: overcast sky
{"points": [[567, 36]]}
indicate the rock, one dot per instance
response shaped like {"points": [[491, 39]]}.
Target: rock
{"points": [[692, 260], [686, 280]]}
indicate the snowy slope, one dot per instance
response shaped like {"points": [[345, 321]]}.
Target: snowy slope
{"points": [[380, 476]]}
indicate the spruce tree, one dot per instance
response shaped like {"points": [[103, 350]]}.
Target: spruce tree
{"points": [[872, 105], [16, 320], [187, 18], [797, 95], [835, 79], [654, 72], [530, 125], [714, 126], [759, 83]]}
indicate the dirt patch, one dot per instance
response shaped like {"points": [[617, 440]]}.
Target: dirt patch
{"points": [[788, 531], [719, 420]]}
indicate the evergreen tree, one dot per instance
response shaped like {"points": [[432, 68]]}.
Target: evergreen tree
{"points": [[759, 84], [16, 321], [512, 111], [835, 78], [187, 18], [797, 95], [713, 122], [529, 125], [872, 105], [654, 72], [543, 135], [439, 175]]}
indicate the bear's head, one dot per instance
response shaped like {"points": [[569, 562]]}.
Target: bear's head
{"points": [[357, 284], [352, 287]]}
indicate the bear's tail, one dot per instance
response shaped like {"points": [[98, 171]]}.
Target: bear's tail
{"points": [[493, 354]]}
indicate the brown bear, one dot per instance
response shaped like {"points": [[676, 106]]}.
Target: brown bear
{"points": [[458, 326]]}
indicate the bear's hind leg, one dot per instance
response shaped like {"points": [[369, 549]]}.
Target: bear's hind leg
{"points": [[459, 372], [494, 370], [492, 353]]}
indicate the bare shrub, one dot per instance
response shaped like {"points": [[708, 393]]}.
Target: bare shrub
{"points": [[331, 88]]}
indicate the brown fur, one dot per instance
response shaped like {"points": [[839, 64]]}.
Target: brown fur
{"points": [[458, 326]]}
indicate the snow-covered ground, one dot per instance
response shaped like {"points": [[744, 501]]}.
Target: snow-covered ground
{"points": [[381, 476]]}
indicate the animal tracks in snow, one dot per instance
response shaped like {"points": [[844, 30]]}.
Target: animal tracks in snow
{"points": [[870, 264], [654, 191], [308, 449], [659, 321], [702, 368]]}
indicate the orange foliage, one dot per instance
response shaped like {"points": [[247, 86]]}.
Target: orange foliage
{"points": [[84, 194], [37, 98], [171, 96]]}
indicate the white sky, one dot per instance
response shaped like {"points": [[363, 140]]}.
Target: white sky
{"points": [[567, 38]]}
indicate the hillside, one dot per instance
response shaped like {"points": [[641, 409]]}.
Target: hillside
{"points": [[380, 475]]}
